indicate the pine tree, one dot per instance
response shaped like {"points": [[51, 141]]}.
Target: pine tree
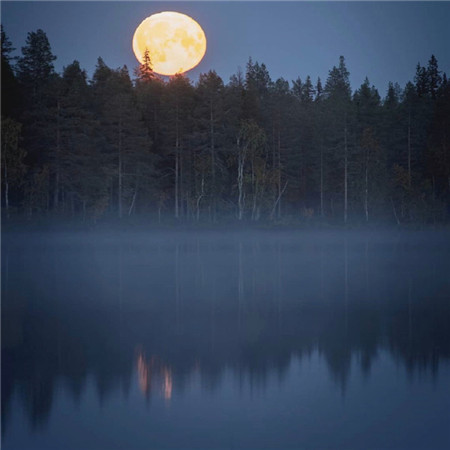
{"points": [[178, 104], [410, 101], [281, 107], [319, 89], [337, 94], [149, 92], [6, 46], [337, 86], [438, 154], [145, 71], [422, 81], [367, 102], [40, 87], [35, 68], [209, 117], [301, 163], [297, 88], [308, 91], [434, 76], [257, 85], [320, 157], [369, 158], [9, 87]]}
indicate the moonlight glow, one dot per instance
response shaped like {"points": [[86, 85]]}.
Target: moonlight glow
{"points": [[175, 42]]}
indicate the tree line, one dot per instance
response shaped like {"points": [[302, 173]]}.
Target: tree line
{"points": [[254, 149]]}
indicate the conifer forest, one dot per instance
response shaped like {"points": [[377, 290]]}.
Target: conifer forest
{"points": [[137, 147]]}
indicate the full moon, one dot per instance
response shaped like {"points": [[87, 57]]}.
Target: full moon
{"points": [[175, 42]]}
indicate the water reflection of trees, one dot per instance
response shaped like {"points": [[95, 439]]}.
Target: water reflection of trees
{"points": [[122, 314]]}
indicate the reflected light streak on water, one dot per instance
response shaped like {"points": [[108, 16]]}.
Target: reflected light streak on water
{"points": [[152, 374]]}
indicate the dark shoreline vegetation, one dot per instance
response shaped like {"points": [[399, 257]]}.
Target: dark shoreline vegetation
{"points": [[119, 151]]}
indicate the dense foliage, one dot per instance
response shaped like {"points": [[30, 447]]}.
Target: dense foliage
{"points": [[250, 150]]}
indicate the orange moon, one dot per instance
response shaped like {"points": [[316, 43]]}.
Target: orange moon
{"points": [[175, 42]]}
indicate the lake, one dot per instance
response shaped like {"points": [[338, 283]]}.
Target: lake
{"points": [[239, 340]]}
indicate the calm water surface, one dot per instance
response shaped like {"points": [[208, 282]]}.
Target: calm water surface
{"points": [[237, 340]]}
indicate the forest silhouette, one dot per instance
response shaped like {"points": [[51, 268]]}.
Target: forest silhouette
{"points": [[252, 150]]}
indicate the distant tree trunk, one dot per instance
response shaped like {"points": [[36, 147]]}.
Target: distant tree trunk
{"points": [[274, 151], [345, 173], [57, 157], [279, 175], [30, 205], [120, 170], [273, 146], [252, 165], [241, 286], [213, 163], [240, 180], [177, 163], [72, 204], [177, 213], [6, 187], [177, 286], [182, 195], [409, 150], [346, 282], [56, 192], [48, 198], [199, 198], [155, 123], [255, 201], [321, 180], [133, 201], [277, 201], [111, 199], [366, 187], [160, 206], [395, 212]]}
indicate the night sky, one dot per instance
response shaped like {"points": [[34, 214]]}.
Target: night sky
{"points": [[383, 41]]}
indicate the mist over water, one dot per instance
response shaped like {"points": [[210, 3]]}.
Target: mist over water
{"points": [[221, 340]]}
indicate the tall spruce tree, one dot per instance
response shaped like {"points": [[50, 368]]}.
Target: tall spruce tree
{"points": [[35, 67], [209, 118], [301, 161], [434, 77], [178, 102], [40, 86], [370, 178], [281, 109], [337, 94], [149, 92], [9, 87]]}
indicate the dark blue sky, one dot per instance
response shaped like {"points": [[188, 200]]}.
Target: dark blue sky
{"points": [[382, 40]]}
